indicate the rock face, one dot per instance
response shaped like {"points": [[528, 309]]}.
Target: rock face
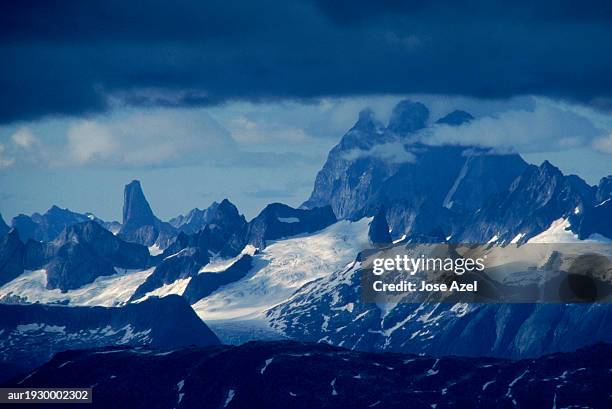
{"points": [[408, 117], [223, 235], [12, 252], [3, 226], [604, 189], [160, 322], [85, 251], [467, 193], [80, 254], [536, 198], [379, 229], [47, 226], [280, 375], [333, 310], [195, 220], [349, 177], [205, 283], [278, 220], [74, 265], [139, 223], [455, 118]]}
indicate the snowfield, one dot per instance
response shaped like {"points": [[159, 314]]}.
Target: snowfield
{"points": [[282, 268], [108, 291], [559, 232]]}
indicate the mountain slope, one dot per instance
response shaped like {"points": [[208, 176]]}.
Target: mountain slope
{"points": [[283, 267], [289, 374], [335, 310], [31, 334], [3, 226], [48, 226]]}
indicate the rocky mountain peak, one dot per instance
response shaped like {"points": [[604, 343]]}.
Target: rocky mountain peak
{"points": [[3, 226], [408, 117], [455, 118], [367, 121], [136, 209], [604, 189]]}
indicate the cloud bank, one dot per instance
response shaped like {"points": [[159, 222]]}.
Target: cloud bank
{"points": [[75, 58]]}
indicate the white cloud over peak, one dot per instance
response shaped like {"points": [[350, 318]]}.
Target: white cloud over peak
{"points": [[549, 126], [393, 152]]}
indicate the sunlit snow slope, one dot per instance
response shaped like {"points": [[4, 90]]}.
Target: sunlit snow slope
{"points": [[107, 291], [282, 268]]}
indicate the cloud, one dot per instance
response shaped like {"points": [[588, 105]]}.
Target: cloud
{"points": [[149, 138], [194, 53], [604, 144], [393, 152], [549, 126], [24, 138], [5, 161], [250, 131], [89, 141]]}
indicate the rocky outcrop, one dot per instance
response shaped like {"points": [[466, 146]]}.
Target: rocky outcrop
{"points": [[278, 220], [139, 223], [85, 251], [408, 117], [195, 220], [379, 229], [12, 252], [539, 196], [205, 283], [47, 226], [604, 189], [455, 118], [3, 226]]}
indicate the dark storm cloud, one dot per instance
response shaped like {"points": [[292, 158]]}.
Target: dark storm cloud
{"points": [[75, 57]]}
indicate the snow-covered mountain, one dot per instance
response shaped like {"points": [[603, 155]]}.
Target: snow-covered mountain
{"points": [[295, 272], [80, 254], [468, 193], [333, 310]]}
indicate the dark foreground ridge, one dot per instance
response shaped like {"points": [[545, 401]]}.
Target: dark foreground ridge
{"points": [[31, 334], [287, 374]]}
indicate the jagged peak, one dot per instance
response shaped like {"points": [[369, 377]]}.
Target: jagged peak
{"points": [[548, 167], [408, 117], [13, 235], [3, 226], [456, 118], [136, 208], [367, 121]]}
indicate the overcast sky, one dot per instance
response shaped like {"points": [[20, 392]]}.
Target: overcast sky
{"points": [[240, 99]]}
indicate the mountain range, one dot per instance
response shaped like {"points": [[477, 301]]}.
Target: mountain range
{"points": [[295, 272]]}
